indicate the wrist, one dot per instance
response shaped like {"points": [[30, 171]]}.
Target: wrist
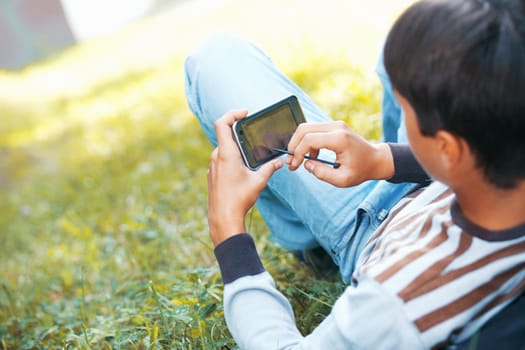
{"points": [[222, 228], [383, 162]]}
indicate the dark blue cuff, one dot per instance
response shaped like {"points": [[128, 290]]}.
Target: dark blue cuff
{"points": [[406, 166], [238, 257]]}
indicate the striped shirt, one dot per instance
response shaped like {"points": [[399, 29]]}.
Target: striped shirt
{"points": [[450, 274]]}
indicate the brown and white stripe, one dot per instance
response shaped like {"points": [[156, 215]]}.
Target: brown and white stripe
{"points": [[446, 277]]}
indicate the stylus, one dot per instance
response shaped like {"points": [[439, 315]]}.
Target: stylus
{"points": [[334, 164]]}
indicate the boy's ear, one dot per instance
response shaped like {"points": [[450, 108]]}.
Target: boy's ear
{"points": [[452, 149]]}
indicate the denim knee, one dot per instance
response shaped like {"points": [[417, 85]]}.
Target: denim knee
{"points": [[201, 67]]}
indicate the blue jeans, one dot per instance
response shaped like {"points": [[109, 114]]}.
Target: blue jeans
{"points": [[300, 211]]}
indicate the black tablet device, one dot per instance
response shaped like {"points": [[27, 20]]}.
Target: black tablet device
{"points": [[272, 127]]}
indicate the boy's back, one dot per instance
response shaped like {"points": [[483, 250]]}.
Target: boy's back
{"points": [[445, 274]]}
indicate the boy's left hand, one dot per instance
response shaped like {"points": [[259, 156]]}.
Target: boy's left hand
{"points": [[232, 187], [360, 160]]}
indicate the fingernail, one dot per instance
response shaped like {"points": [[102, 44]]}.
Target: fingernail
{"points": [[310, 167]]}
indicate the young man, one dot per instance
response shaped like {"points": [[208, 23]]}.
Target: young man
{"points": [[449, 256]]}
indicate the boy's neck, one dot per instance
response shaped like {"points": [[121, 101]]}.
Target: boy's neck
{"points": [[490, 207]]}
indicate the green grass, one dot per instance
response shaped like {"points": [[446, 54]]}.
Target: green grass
{"points": [[103, 186]]}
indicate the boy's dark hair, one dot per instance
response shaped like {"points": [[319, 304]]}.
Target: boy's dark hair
{"points": [[461, 65]]}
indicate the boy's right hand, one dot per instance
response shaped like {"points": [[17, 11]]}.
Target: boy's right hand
{"points": [[360, 160], [232, 187]]}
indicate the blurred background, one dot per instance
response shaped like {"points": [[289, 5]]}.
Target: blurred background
{"points": [[103, 168], [32, 30]]}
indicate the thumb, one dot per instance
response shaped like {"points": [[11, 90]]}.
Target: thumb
{"points": [[269, 168]]}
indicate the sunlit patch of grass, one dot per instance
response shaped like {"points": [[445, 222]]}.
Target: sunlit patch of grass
{"points": [[110, 249], [343, 90], [105, 226]]}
